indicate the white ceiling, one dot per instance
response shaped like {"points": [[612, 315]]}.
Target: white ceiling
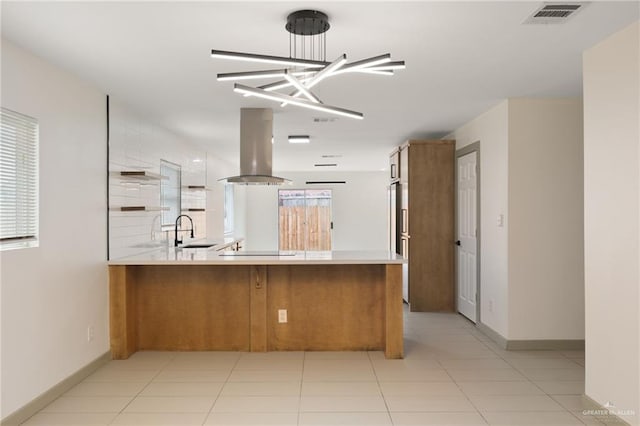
{"points": [[462, 58]]}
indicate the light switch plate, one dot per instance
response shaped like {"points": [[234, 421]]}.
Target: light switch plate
{"points": [[282, 315]]}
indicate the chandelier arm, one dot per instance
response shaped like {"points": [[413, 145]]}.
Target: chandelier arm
{"points": [[279, 97], [365, 63], [281, 84], [280, 60], [326, 71], [384, 69], [396, 65], [322, 74], [248, 75], [375, 72], [301, 88]]}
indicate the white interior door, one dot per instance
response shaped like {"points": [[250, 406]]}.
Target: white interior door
{"points": [[467, 235]]}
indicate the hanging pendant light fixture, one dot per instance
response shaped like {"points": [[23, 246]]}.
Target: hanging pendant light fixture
{"points": [[306, 66]]}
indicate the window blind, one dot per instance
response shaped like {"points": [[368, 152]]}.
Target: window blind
{"points": [[18, 180]]}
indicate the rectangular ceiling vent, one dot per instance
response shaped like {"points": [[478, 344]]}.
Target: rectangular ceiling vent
{"points": [[554, 13], [326, 182]]}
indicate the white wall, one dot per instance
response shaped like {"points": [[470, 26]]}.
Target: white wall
{"points": [[611, 220], [531, 173], [50, 294], [241, 211], [546, 262], [359, 210], [491, 129]]}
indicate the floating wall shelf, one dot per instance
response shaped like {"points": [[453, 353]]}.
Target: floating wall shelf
{"points": [[195, 188], [138, 209], [139, 175]]}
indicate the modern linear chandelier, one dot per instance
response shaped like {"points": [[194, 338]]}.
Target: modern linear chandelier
{"points": [[305, 67]]}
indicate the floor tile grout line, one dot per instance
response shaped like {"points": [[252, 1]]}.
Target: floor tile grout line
{"points": [[519, 370], [304, 359], [582, 421], [163, 368], [466, 396], [384, 400], [139, 392], [215, 400]]}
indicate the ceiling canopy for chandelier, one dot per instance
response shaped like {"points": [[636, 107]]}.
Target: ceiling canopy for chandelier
{"points": [[305, 67]]}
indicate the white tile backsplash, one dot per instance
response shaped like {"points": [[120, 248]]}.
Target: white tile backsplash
{"points": [[135, 144]]}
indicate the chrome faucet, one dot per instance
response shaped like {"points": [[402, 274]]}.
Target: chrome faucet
{"points": [[179, 241]]}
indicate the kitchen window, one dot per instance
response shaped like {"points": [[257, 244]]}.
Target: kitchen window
{"points": [[170, 192], [304, 219], [18, 180]]}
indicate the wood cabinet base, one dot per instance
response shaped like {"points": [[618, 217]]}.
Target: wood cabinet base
{"points": [[235, 308]]}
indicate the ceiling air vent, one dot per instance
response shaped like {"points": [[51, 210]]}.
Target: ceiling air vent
{"points": [[554, 13], [326, 182]]}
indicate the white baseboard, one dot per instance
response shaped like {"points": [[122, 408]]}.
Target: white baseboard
{"points": [[530, 345], [606, 412], [497, 338], [50, 395]]}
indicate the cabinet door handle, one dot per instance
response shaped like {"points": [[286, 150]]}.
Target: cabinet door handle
{"points": [[258, 283], [405, 218], [457, 243]]}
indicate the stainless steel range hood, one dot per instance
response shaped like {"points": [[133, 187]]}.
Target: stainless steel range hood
{"points": [[256, 133]]}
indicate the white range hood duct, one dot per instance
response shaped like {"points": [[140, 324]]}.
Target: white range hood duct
{"points": [[256, 134]]}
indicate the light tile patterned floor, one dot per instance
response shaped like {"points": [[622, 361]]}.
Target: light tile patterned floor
{"points": [[452, 375]]}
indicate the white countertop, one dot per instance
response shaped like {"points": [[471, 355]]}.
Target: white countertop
{"points": [[206, 256]]}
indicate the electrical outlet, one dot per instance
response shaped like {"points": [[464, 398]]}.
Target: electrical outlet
{"points": [[282, 315], [90, 333]]}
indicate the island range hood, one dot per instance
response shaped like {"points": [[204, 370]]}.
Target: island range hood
{"points": [[256, 134]]}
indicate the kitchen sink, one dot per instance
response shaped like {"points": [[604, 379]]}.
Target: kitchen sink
{"points": [[198, 245]]}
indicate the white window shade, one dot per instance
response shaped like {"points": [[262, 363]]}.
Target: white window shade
{"points": [[18, 180]]}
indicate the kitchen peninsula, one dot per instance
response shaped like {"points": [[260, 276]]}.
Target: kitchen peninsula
{"points": [[205, 300]]}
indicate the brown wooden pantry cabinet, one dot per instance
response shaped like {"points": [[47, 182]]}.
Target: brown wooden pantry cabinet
{"points": [[421, 203]]}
